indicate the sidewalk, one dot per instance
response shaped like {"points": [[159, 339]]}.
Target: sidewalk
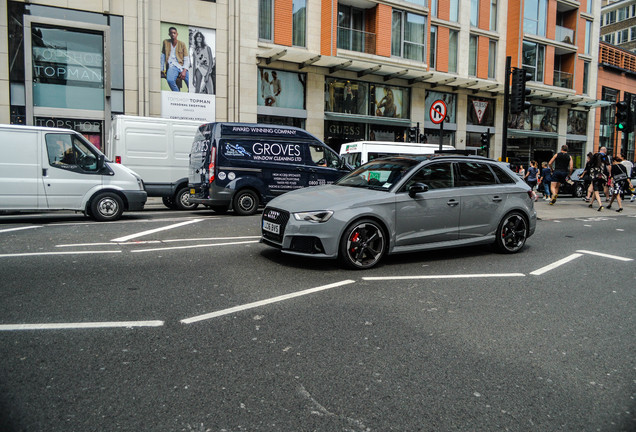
{"points": [[568, 207]]}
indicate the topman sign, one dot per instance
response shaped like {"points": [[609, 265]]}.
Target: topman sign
{"points": [[59, 66]]}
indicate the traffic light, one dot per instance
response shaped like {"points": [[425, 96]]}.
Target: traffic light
{"points": [[518, 92], [412, 134], [485, 142], [624, 117]]}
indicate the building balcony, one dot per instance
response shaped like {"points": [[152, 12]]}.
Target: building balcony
{"points": [[356, 40], [565, 35], [563, 79]]}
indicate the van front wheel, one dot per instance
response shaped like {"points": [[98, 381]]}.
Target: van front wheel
{"points": [[106, 207], [245, 202]]}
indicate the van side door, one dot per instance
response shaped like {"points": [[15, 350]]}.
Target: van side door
{"points": [[69, 170], [323, 164]]}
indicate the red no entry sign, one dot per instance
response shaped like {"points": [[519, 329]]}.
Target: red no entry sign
{"points": [[438, 111]]}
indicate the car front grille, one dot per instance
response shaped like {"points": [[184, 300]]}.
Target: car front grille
{"points": [[279, 217]]}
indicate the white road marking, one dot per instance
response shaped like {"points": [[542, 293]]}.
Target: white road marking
{"points": [[556, 264], [605, 255], [143, 242], [108, 244], [20, 228], [265, 302], [57, 253], [152, 231], [194, 246], [460, 276], [212, 238], [81, 325]]}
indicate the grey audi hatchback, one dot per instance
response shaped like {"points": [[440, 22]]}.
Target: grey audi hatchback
{"points": [[403, 204]]}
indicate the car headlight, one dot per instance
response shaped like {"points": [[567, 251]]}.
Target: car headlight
{"points": [[317, 216]]}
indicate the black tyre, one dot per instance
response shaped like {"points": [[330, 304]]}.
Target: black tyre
{"points": [[245, 202], [106, 206], [512, 233], [182, 200], [579, 191], [363, 244], [169, 202]]}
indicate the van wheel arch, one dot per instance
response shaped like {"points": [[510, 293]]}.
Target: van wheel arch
{"points": [[245, 202]]}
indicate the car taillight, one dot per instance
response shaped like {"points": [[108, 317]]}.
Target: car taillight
{"points": [[118, 159], [212, 164], [530, 194]]}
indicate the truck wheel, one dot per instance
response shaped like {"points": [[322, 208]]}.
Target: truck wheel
{"points": [[168, 202], [107, 206], [245, 202], [182, 200]]}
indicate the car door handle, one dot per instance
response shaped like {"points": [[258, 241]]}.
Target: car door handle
{"points": [[452, 203], [44, 172], [497, 199]]}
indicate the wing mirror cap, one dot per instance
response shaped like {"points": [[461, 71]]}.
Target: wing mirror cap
{"points": [[416, 189]]}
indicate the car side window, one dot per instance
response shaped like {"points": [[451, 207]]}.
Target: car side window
{"points": [[503, 176], [475, 174], [435, 176], [322, 156]]}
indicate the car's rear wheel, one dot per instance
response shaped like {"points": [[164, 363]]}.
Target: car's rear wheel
{"points": [[363, 244], [579, 190], [245, 202], [512, 233]]}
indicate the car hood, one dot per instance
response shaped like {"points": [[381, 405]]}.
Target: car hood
{"points": [[328, 197]]}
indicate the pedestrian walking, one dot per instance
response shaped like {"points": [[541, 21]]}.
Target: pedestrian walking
{"points": [[531, 178], [563, 166], [600, 174], [619, 182], [545, 179], [587, 178]]}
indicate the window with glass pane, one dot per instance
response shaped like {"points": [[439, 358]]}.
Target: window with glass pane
{"points": [[534, 17], [453, 37], [454, 10], [492, 59], [299, 22], [493, 15], [472, 56], [474, 13], [265, 19], [432, 57], [589, 6], [588, 36], [586, 76], [350, 28], [68, 68], [396, 34], [533, 59], [434, 6], [415, 37]]}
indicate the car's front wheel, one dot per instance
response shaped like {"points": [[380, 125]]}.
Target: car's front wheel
{"points": [[107, 206], [363, 244], [512, 233], [579, 190]]}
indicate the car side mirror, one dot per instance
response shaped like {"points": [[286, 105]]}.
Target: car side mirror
{"points": [[100, 162], [417, 188]]}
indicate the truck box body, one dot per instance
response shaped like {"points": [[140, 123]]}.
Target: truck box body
{"points": [[157, 150]]}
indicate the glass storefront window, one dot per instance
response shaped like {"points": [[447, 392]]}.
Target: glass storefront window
{"points": [[389, 101], [577, 122], [68, 68], [536, 118], [345, 96]]}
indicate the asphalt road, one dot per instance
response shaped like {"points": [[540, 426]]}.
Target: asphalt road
{"points": [[181, 321]]}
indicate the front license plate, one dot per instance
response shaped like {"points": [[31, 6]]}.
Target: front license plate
{"points": [[192, 191], [271, 227]]}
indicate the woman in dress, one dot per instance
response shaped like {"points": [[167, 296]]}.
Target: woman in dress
{"points": [[203, 64]]}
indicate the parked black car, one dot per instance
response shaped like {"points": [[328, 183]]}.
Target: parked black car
{"points": [[574, 185]]}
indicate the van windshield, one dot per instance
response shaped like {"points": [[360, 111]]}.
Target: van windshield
{"points": [[378, 175]]}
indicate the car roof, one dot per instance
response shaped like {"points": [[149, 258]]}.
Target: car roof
{"points": [[438, 156]]}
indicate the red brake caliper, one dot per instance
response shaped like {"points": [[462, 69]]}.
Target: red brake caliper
{"points": [[354, 239]]}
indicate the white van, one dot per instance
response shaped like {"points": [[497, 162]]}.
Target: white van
{"points": [[156, 149], [44, 169], [361, 152]]}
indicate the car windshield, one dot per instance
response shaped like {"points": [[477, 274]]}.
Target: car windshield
{"points": [[379, 174]]}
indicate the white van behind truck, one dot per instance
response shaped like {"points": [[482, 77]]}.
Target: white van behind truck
{"points": [[360, 152], [158, 150], [43, 169]]}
